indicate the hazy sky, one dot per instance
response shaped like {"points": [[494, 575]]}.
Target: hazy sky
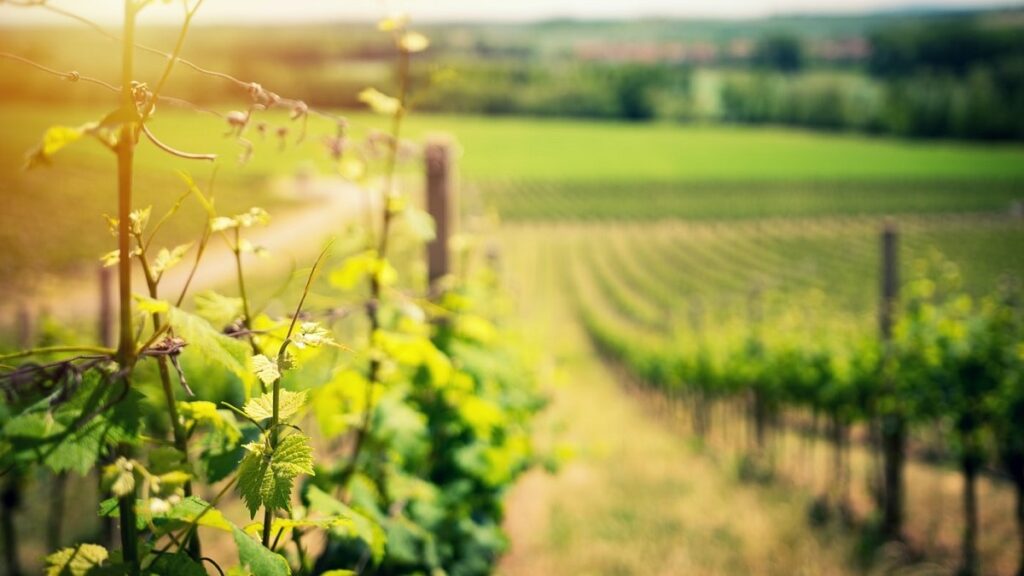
{"points": [[227, 11]]}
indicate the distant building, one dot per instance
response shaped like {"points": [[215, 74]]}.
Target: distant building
{"points": [[841, 50], [647, 52]]}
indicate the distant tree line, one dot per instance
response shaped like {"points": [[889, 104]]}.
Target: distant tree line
{"points": [[945, 79], [931, 77], [565, 89]]}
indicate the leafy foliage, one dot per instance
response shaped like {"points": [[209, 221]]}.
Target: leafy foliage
{"points": [[209, 343], [82, 560], [259, 560], [262, 407], [432, 435]]}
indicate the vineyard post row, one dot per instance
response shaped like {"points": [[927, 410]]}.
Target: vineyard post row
{"points": [[893, 430], [441, 204]]}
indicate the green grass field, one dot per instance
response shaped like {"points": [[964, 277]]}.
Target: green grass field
{"points": [[526, 168]]}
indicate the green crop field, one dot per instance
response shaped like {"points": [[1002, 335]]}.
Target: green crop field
{"points": [[524, 168]]}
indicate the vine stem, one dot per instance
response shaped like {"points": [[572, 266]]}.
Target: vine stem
{"points": [[373, 305], [177, 431], [129, 137], [125, 164], [126, 346], [56, 350], [268, 511], [274, 429], [236, 249]]}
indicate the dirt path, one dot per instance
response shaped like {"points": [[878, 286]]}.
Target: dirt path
{"points": [[638, 500], [292, 236]]}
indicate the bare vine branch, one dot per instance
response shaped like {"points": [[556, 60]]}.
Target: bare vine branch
{"points": [[174, 151]]}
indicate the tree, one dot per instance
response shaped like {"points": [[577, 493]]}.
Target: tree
{"points": [[781, 52]]}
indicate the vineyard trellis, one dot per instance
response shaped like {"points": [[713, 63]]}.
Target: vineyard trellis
{"points": [[423, 419], [936, 356]]}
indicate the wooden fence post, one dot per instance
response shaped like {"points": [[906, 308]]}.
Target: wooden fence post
{"points": [[11, 493], [440, 206], [890, 279], [893, 424], [105, 321], [25, 326]]}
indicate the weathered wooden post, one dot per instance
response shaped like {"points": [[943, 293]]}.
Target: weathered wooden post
{"points": [[25, 326], [890, 279], [105, 322], [494, 258], [893, 423], [10, 502], [11, 489], [440, 205]]}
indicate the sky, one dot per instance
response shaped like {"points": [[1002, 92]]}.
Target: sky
{"points": [[297, 11]]}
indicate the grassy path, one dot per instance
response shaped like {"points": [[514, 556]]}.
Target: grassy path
{"points": [[327, 207], [636, 498]]}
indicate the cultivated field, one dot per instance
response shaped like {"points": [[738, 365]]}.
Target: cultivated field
{"points": [[526, 169]]}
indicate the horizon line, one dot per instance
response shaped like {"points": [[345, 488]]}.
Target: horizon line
{"points": [[45, 20]]}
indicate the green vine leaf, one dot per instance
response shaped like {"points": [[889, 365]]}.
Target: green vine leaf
{"points": [[190, 510], [262, 407], [148, 305], [196, 510], [77, 561], [204, 339], [253, 473], [265, 479], [113, 258], [167, 259], [119, 477], [258, 559], [60, 440], [206, 413], [335, 523], [254, 217], [258, 483], [138, 219], [54, 140], [176, 565], [356, 269], [219, 310], [293, 456], [312, 335], [266, 370], [380, 102], [365, 529]]}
